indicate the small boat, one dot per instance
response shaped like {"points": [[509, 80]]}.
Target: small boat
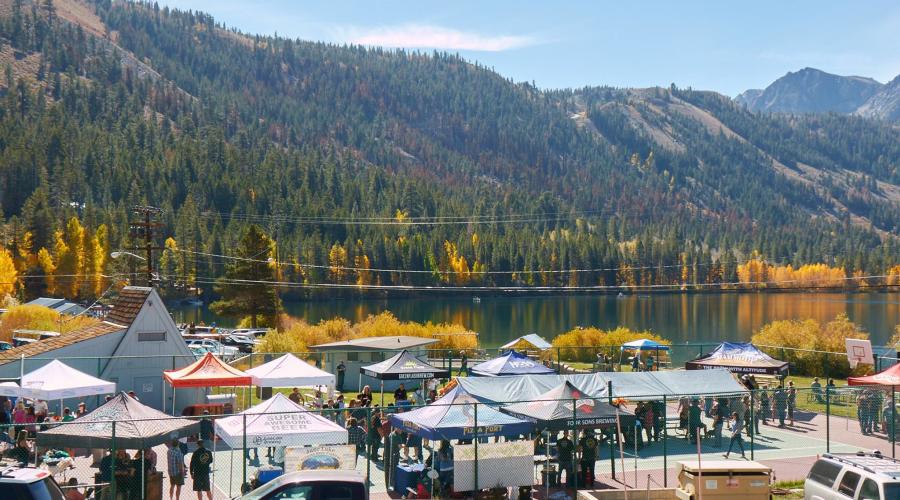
{"points": [[476, 300]]}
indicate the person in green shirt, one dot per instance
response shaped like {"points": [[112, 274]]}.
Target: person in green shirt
{"points": [[565, 449], [67, 415], [650, 362], [587, 445]]}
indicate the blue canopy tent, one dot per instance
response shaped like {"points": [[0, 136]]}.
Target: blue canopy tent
{"points": [[453, 417], [645, 345], [510, 363]]}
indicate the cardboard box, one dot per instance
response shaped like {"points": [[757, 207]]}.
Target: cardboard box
{"points": [[734, 479]]}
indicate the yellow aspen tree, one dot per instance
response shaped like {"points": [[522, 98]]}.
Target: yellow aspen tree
{"points": [[9, 276], [337, 263], [45, 260], [362, 265]]}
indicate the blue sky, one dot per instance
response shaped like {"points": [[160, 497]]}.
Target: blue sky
{"points": [[722, 46]]}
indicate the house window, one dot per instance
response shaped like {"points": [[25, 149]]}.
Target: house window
{"points": [[151, 336], [352, 356]]}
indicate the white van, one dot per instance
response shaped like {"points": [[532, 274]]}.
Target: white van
{"points": [[853, 476]]}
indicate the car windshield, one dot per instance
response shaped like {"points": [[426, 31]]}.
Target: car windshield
{"points": [[45, 489]]}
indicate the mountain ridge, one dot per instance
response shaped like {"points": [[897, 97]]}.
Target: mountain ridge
{"points": [[811, 90], [220, 128]]}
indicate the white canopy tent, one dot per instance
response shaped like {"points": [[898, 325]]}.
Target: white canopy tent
{"points": [[57, 381], [289, 371], [279, 421]]}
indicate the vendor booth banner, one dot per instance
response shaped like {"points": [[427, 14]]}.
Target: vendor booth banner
{"points": [[499, 465], [320, 458]]}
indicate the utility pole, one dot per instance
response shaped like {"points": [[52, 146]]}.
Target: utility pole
{"points": [[144, 226]]}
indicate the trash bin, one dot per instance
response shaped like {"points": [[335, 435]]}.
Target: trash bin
{"points": [[720, 479]]}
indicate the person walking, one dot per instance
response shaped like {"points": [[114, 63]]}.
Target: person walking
{"points": [[201, 463], [737, 426], [175, 468]]}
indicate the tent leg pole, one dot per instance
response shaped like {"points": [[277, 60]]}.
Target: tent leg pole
{"points": [[382, 393]]}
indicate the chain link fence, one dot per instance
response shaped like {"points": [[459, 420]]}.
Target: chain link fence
{"points": [[783, 427]]}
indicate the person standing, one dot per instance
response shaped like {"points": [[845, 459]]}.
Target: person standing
{"points": [[374, 434], [587, 445], [295, 395], [463, 364], [443, 462], [565, 450], [694, 421], [206, 427], [719, 416], [175, 468], [356, 435], [737, 426], [201, 462], [791, 401], [780, 405], [650, 362], [341, 372], [393, 444], [400, 393], [764, 406]]}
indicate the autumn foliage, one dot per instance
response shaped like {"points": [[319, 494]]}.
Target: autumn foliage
{"points": [[34, 317], [574, 345], [296, 335], [808, 341]]}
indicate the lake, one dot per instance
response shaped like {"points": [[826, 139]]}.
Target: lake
{"points": [[678, 317]]}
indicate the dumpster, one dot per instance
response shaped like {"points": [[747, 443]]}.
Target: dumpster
{"points": [[720, 479]]}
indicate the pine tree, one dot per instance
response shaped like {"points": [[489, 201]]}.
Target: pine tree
{"points": [[244, 289]]}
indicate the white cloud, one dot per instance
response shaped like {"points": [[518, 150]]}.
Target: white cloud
{"points": [[425, 36]]}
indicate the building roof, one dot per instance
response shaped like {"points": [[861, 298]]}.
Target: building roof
{"points": [[128, 304], [61, 306], [67, 339], [125, 309], [397, 342]]}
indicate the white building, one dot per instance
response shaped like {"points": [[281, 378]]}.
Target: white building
{"points": [[131, 347]]}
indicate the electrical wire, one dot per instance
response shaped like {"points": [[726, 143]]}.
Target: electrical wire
{"points": [[422, 271]]}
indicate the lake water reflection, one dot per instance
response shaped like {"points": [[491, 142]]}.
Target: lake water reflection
{"points": [[677, 317]]}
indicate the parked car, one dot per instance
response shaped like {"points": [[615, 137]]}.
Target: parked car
{"points": [[242, 342], [856, 476], [5, 346], [313, 485], [28, 483], [253, 332], [214, 347]]}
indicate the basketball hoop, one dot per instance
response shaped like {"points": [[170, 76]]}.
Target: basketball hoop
{"points": [[859, 351]]}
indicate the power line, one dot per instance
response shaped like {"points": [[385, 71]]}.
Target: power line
{"points": [[538, 288], [421, 271]]}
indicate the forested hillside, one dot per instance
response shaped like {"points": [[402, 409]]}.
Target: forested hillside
{"points": [[366, 164]]}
